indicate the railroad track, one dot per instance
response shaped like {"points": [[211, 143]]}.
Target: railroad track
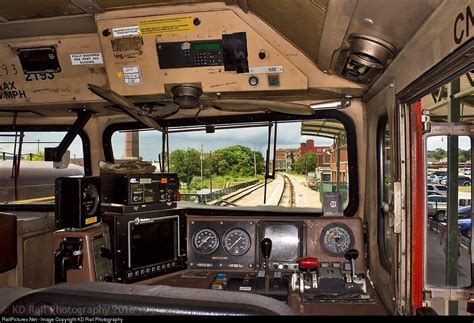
{"points": [[234, 197], [287, 198]]}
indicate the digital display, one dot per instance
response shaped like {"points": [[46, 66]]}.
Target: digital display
{"points": [[153, 242], [39, 60], [285, 242], [206, 46]]}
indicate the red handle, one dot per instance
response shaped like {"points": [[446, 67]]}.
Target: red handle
{"points": [[308, 263]]}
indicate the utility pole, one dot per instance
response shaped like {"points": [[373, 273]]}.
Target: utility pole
{"points": [[202, 146], [210, 175], [255, 163]]}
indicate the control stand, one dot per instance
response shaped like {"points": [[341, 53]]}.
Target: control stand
{"points": [[318, 284], [271, 284]]}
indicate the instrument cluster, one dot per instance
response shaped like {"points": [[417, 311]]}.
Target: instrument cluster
{"points": [[225, 243], [222, 245]]}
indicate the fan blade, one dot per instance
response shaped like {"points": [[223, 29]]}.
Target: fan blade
{"points": [[162, 111], [248, 105], [127, 106]]}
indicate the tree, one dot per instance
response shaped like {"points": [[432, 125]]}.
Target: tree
{"points": [[306, 163], [186, 163], [237, 161]]}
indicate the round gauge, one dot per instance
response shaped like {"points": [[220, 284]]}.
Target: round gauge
{"points": [[336, 239], [236, 242], [90, 199], [205, 241]]}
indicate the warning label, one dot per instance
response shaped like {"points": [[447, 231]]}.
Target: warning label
{"points": [[167, 25], [86, 58], [131, 75], [126, 31]]}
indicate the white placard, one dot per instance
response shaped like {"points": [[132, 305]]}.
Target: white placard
{"points": [[131, 75], [86, 58], [126, 31], [266, 69]]}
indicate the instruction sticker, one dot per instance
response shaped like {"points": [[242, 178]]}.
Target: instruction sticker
{"points": [[86, 58], [131, 75], [266, 69], [126, 31], [167, 25]]}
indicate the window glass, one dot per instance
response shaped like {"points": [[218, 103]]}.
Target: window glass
{"points": [[226, 164], [35, 177], [438, 211]]}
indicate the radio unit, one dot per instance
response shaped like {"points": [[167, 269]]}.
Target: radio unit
{"points": [[134, 189], [146, 244]]}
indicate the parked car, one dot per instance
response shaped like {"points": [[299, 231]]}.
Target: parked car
{"points": [[437, 188], [464, 221], [434, 193], [433, 179], [437, 206], [464, 181]]}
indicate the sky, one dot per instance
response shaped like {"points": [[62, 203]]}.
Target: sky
{"points": [[434, 142], [288, 135], [150, 141]]}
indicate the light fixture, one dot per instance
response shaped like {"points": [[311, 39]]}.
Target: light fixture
{"points": [[342, 103]]}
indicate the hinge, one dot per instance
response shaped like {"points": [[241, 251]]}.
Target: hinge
{"points": [[426, 120]]}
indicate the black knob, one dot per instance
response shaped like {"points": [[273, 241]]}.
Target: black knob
{"points": [[351, 254], [105, 253], [262, 54], [266, 246]]}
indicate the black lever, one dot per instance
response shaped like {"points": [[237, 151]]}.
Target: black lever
{"points": [[266, 247], [352, 255]]}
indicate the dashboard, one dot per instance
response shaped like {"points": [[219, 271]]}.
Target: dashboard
{"points": [[233, 242]]}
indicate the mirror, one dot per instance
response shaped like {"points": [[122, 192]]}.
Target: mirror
{"points": [[449, 220], [65, 160], [7, 242]]}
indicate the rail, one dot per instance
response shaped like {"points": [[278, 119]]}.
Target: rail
{"points": [[205, 198]]}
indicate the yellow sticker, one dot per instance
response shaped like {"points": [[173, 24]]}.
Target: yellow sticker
{"points": [[166, 25], [91, 220]]}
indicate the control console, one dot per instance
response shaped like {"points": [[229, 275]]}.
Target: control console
{"points": [[323, 284]]}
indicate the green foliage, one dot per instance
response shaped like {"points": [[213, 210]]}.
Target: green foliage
{"points": [[186, 163], [440, 153], [38, 156], [306, 163], [236, 161]]}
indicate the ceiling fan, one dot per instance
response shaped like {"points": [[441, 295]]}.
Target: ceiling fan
{"points": [[189, 97]]}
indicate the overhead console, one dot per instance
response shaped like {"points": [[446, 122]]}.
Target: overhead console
{"points": [[49, 69], [216, 51]]}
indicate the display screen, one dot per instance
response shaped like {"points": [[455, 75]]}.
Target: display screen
{"points": [[285, 242], [153, 242], [39, 60], [207, 46]]}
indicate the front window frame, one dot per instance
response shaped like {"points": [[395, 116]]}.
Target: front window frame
{"points": [[345, 120]]}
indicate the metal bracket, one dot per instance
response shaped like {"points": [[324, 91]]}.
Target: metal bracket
{"points": [[397, 207], [56, 153]]}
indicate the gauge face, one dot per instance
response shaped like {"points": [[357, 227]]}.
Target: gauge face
{"points": [[205, 241], [90, 199], [336, 239], [237, 242]]}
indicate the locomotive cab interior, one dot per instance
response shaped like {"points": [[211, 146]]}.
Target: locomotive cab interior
{"points": [[236, 157]]}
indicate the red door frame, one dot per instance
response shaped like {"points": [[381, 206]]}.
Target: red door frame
{"points": [[417, 191]]}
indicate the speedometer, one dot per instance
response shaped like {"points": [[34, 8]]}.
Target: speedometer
{"points": [[236, 242], [205, 241], [336, 239]]}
